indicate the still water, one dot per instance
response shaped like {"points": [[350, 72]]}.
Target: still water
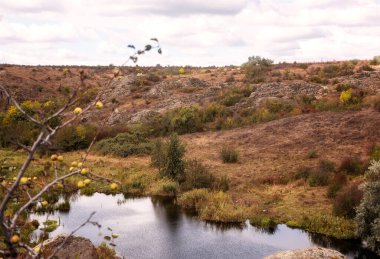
{"points": [[157, 228]]}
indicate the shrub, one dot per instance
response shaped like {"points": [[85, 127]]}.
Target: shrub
{"points": [[375, 153], [158, 156], [223, 183], [338, 181], [133, 142], [229, 155], [346, 200], [312, 154], [351, 166], [197, 176], [368, 213], [74, 137], [346, 96], [375, 61], [185, 120], [321, 176], [256, 68], [366, 68], [193, 200], [175, 165]]}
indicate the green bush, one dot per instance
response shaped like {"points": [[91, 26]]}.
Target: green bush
{"points": [[133, 142], [74, 137], [229, 155], [174, 164]]}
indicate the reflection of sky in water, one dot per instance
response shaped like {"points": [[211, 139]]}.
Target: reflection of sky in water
{"points": [[149, 229]]}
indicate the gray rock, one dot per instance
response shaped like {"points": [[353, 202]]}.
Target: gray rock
{"points": [[312, 253], [75, 247]]}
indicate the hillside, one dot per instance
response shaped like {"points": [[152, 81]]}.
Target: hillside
{"points": [[304, 133]]}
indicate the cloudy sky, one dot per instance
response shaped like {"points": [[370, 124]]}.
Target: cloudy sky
{"points": [[192, 32]]}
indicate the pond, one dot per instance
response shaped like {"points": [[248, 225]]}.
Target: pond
{"points": [[156, 228]]}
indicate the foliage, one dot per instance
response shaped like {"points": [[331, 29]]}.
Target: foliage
{"points": [[319, 176], [368, 212], [229, 155], [351, 166], [74, 137], [346, 200], [375, 61], [197, 176], [256, 68], [158, 155], [133, 142], [174, 164], [346, 96]]}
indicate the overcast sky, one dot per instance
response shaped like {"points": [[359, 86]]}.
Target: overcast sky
{"points": [[191, 32]]}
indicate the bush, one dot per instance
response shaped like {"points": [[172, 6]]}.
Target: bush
{"points": [[346, 200], [321, 176], [74, 137], [229, 155], [338, 181], [345, 96], [368, 213], [312, 154], [133, 142], [351, 166], [158, 156], [197, 176], [375, 61], [375, 153], [256, 68], [174, 164]]}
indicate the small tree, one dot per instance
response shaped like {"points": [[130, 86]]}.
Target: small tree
{"points": [[175, 165], [368, 212]]}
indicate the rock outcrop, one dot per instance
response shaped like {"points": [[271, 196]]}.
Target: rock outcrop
{"points": [[312, 252], [75, 247]]}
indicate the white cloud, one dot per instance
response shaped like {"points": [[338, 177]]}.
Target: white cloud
{"points": [[194, 32]]}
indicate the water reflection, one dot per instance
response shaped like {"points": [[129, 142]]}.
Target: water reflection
{"points": [[156, 228]]}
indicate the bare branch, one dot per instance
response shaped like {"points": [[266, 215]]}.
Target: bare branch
{"points": [[26, 148]]}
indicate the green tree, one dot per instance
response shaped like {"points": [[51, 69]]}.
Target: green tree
{"points": [[175, 165], [368, 212]]}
